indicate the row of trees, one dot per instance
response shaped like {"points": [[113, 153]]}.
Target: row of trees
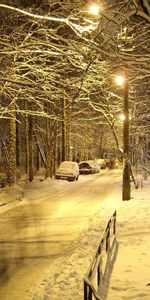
{"points": [[58, 97]]}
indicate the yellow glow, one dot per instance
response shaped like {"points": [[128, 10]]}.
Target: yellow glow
{"points": [[120, 80], [94, 9], [122, 117]]}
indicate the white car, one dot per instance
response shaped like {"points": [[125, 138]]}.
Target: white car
{"points": [[68, 170], [86, 167]]}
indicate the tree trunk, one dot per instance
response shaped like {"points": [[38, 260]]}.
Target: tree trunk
{"points": [[12, 149], [30, 143], [37, 159], [55, 149], [18, 152], [48, 152], [68, 135], [27, 147], [64, 129]]}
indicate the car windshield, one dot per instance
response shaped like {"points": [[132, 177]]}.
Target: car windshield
{"points": [[84, 165]]}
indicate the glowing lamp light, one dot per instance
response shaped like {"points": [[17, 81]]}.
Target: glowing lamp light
{"points": [[94, 9], [122, 117], [120, 80]]}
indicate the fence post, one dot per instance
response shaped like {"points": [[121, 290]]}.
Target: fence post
{"points": [[99, 273], [90, 294], [114, 227], [108, 237], [85, 291]]}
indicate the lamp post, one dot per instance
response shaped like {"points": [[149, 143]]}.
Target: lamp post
{"points": [[126, 187]]}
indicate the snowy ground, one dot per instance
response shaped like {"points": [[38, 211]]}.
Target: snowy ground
{"points": [[131, 276]]}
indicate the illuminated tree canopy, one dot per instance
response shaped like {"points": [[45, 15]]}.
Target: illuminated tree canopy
{"points": [[58, 63]]}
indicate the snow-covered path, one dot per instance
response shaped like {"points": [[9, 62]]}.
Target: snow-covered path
{"points": [[61, 276], [130, 278], [42, 227]]}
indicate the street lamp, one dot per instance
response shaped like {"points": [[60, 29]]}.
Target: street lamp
{"points": [[120, 79], [122, 117], [126, 188], [94, 9]]}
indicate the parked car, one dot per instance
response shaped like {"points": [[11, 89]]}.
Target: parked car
{"points": [[86, 167], [95, 166], [68, 170], [102, 163]]}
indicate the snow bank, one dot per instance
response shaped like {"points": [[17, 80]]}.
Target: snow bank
{"points": [[130, 278]]}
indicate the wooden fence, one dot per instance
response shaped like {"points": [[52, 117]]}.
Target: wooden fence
{"points": [[95, 274]]}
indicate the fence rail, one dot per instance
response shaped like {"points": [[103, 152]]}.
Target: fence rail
{"points": [[95, 274]]}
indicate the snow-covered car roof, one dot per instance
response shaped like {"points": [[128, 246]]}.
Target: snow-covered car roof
{"points": [[68, 164]]}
